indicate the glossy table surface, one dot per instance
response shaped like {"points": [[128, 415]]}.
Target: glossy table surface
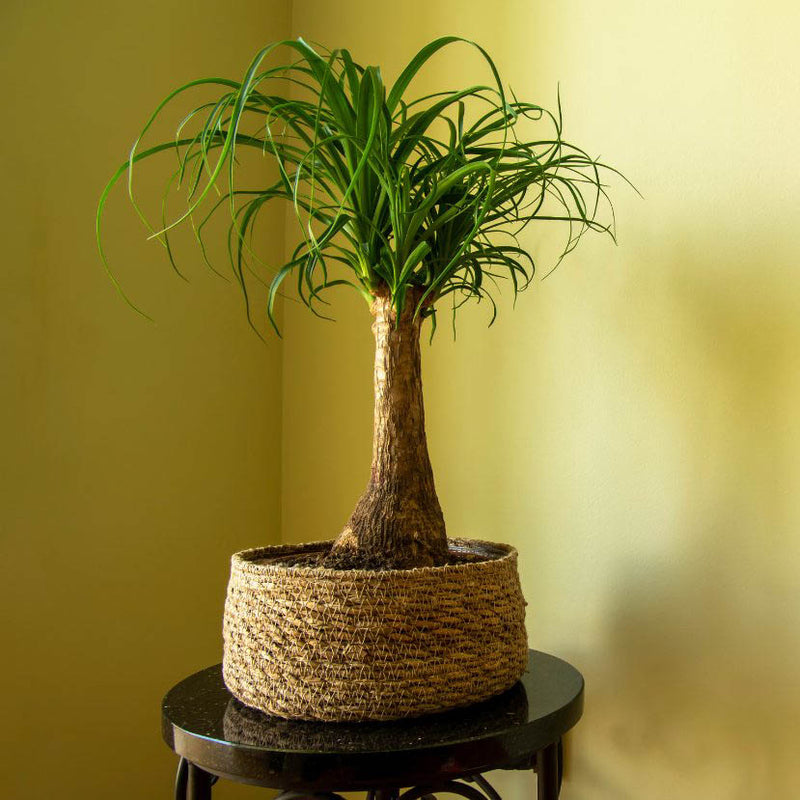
{"points": [[205, 724]]}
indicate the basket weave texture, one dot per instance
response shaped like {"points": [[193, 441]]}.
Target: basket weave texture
{"points": [[351, 645]]}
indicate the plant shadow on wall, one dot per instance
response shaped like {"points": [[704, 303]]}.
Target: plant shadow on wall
{"points": [[693, 687], [655, 496]]}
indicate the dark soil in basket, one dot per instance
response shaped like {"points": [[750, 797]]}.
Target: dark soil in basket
{"points": [[316, 559]]}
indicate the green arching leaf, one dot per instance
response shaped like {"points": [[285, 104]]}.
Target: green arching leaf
{"points": [[414, 258], [173, 178], [121, 170], [416, 63], [230, 135]]}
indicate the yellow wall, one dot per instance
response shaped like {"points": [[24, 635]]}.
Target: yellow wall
{"points": [[135, 457], [632, 426]]}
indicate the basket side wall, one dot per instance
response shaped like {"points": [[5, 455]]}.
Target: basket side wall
{"points": [[372, 645]]}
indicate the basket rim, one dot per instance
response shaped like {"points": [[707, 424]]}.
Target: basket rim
{"points": [[250, 561]]}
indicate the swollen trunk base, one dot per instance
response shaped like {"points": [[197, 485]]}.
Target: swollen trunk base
{"points": [[397, 522]]}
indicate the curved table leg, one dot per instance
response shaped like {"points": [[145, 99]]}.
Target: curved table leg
{"points": [[180, 779], [548, 772], [192, 783], [486, 787], [199, 784]]}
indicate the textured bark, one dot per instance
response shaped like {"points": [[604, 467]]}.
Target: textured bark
{"points": [[397, 522]]}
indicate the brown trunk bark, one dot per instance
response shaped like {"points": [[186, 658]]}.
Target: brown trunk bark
{"points": [[397, 522]]}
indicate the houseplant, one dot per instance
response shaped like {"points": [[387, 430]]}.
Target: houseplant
{"points": [[413, 203]]}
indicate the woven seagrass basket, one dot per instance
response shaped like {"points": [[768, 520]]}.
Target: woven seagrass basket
{"points": [[350, 645]]}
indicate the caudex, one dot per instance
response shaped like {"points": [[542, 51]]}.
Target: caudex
{"points": [[416, 203]]}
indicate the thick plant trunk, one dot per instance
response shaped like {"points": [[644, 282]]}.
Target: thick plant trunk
{"points": [[398, 522]]}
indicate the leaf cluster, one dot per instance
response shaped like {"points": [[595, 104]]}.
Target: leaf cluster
{"points": [[389, 192]]}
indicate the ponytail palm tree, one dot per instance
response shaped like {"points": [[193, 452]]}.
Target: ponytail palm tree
{"points": [[415, 203]]}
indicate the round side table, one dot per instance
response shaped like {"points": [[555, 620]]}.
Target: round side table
{"points": [[218, 737]]}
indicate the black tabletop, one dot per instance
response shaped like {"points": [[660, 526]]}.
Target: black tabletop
{"points": [[205, 724]]}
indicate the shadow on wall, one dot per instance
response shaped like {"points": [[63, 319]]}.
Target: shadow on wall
{"points": [[693, 691], [645, 464], [692, 698]]}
